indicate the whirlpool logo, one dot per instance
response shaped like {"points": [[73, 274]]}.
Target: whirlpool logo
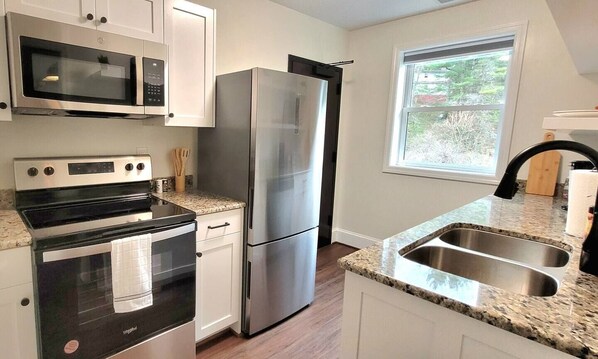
{"points": [[129, 331]]}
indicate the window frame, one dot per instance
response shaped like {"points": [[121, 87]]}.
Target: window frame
{"points": [[397, 121]]}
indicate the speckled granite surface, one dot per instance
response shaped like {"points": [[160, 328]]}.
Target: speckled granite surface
{"points": [[13, 232], [201, 202], [567, 321]]}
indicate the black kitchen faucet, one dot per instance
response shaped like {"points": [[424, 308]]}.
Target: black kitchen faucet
{"points": [[508, 186]]}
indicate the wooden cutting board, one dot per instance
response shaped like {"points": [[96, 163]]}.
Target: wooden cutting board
{"points": [[543, 171]]}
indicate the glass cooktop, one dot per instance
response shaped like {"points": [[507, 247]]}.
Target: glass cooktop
{"points": [[85, 221]]}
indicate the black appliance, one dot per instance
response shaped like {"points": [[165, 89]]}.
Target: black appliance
{"points": [[74, 208]]}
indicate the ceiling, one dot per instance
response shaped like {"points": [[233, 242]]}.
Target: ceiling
{"points": [[355, 14]]}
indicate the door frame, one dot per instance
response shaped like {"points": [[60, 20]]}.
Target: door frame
{"points": [[334, 76]]}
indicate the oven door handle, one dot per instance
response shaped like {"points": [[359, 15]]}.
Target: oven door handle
{"points": [[62, 254]]}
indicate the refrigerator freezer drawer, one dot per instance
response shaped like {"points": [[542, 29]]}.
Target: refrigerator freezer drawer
{"points": [[281, 279]]}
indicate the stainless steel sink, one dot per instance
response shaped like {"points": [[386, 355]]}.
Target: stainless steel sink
{"points": [[517, 249], [485, 269]]}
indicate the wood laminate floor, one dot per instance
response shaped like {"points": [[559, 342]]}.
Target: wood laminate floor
{"points": [[314, 332]]}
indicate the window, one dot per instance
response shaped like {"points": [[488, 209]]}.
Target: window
{"points": [[453, 109]]}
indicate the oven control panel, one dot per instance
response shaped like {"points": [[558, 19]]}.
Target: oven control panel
{"points": [[43, 173]]}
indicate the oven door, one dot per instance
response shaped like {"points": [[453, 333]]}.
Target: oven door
{"points": [[74, 288]]}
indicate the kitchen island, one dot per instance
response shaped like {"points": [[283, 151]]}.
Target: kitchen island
{"points": [[380, 281]]}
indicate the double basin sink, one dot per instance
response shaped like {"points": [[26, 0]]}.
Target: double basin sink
{"points": [[515, 264]]}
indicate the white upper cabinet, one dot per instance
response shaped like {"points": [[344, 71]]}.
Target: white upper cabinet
{"points": [[189, 33], [136, 18], [141, 19], [5, 114], [75, 12]]}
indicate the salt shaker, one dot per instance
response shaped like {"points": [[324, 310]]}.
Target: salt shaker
{"points": [[159, 186]]}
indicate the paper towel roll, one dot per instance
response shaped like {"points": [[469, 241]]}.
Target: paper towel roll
{"points": [[582, 195]]}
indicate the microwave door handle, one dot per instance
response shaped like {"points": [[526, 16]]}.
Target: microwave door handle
{"points": [[139, 81]]}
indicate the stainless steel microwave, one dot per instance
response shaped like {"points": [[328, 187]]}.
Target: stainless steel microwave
{"points": [[65, 70]]}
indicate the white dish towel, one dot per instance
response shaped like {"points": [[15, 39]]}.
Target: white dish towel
{"points": [[132, 273]]}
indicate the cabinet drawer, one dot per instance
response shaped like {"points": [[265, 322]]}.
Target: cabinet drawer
{"points": [[214, 225], [15, 267]]}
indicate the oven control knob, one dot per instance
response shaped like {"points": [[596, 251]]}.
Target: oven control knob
{"points": [[140, 166], [48, 171], [129, 167], [32, 172]]}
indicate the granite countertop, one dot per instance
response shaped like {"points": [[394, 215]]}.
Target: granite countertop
{"points": [[201, 202], [566, 321], [13, 232]]}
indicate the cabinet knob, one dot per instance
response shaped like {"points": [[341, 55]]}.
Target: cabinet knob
{"points": [[171, 115], [198, 254], [103, 20], [89, 16], [3, 106], [25, 302]]}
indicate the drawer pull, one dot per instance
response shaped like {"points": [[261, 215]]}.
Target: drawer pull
{"points": [[198, 254], [226, 224]]}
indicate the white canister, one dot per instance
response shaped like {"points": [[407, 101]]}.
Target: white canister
{"points": [[159, 185], [582, 195]]}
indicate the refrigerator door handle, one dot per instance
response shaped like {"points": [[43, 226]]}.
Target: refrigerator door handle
{"points": [[248, 280], [250, 209], [297, 106]]}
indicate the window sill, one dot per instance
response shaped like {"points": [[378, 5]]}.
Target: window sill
{"points": [[443, 174]]}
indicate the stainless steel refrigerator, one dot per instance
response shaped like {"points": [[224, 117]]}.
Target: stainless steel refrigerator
{"points": [[266, 150]]}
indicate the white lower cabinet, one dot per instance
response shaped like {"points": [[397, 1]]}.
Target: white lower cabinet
{"points": [[383, 322], [17, 329], [218, 281]]}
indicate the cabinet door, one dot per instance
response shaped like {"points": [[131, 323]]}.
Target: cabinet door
{"points": [[17, 332], [218, 284], [189, 34], [142, 19], [75, 12], [5, 114]]}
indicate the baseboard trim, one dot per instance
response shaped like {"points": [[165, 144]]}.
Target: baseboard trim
{"points": [[352, 239]]}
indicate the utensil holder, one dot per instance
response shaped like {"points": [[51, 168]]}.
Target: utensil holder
{"points": [[179, 183]]}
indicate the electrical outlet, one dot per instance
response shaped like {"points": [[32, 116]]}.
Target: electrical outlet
{"points": [[142, 151]]}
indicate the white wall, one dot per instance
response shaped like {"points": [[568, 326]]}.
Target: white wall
{"points": [[250, 33], [260, 33], [40, 136], [375, 204]]}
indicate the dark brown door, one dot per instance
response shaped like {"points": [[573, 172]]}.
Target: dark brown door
{"points": [[334, 76]]}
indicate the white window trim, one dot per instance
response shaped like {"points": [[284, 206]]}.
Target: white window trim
{"points": [[396, 97]]}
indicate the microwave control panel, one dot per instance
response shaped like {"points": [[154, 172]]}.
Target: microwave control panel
{"points": [[153, 82]]}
